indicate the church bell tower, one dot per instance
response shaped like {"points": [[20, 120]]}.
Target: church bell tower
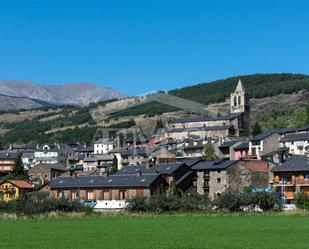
{"points": [[240, 103]]}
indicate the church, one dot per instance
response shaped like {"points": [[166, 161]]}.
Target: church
{"points": [[236, 123]]}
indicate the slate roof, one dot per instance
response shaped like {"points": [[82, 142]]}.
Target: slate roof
{"points": [[295, 137], [206, 128], [263, 135], [204, 119], [8, 155], [242, 146], [191, 162], [228, 144], [164, 169], [135, 151], [291, 130], [294, 163], [98, 157], [213, 164], [114, 181]]}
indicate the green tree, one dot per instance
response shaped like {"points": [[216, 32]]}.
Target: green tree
{"points": [[18, 169], [209, 152], [307, 114], [159, 125], [256, 129]]}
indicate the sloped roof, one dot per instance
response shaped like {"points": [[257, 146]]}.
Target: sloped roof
{"points": [[204, 119], [8, 155], [114, 181], [295, 137], [21, 184], [263, 135], [228, 144], [293, 163], [206, 128], [213, 164], [242, 146]]}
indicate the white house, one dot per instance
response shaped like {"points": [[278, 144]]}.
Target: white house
{"points": [[297, 144], [103, 146]]}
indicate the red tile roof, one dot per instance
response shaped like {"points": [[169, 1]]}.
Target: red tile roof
{"points": [[21, 184]]}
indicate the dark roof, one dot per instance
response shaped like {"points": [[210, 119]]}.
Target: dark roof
{"points": [[8, 155], [295, 137], [263, 135], [213, 164], [228, 144], [204, 119], [164, 169], [114, 181], [206, 128], [98, 157], [191, 162], [242, 146], [135, 151], [167, 169], [291, 130], [293, 163]]}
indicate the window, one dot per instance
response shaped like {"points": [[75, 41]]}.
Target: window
{"points": [[218, 171], [239, 100], [122, 194], [90, 195], [235, 100], [218, 180], [106, 195]]}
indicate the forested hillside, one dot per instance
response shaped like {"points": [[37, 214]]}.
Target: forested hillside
{"points": [[257, 85]]}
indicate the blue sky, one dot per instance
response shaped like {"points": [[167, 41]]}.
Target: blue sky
{"points": [[141, 46]]}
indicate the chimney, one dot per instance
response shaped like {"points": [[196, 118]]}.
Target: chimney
{"points": [[138, 173], [147, 164]]}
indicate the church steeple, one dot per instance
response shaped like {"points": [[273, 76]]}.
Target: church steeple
{"points": [[239, 99], [239, 88]]}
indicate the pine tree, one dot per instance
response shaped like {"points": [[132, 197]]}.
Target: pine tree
{"points": [[209, 152], [256, 129], [18, 169]]}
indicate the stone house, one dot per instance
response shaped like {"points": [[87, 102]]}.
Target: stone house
{"points": [[214, 177], [263, 143], [43, 173]]}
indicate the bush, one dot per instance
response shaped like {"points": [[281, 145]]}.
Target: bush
{"points": [[28, 206], [169, 203], [239, 201]]}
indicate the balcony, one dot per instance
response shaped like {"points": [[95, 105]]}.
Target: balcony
{"points": [[284, 183], [302, 182]]}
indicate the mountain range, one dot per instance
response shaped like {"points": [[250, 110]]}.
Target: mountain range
{"points": [[26, 94]]}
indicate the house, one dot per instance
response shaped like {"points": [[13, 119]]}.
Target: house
{"points": [[42, 173], [214, 177], [103, 146], [296, 143], [241, 151], [163, 155], [263, 143], [132, 156], [92, 188], [291, 177], [226, 149], [13, 189], [52, 153], [234, 123], [101, 163], [7, 162], [179, 173]]}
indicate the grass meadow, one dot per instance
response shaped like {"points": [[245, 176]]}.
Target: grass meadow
{"points": [[157, 231]]}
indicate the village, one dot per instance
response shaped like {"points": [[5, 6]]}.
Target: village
{"points": [[199, 155]]}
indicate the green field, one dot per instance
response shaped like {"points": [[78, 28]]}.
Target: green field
{"points": [[163, 231]]}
